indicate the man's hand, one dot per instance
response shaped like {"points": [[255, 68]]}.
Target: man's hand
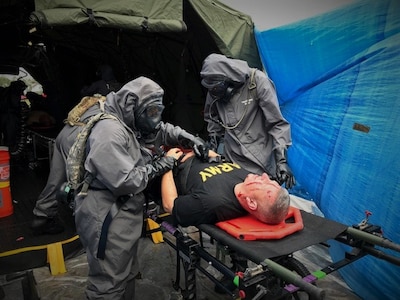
{"points": [[175, 153], [212, 153], [168, 188]]}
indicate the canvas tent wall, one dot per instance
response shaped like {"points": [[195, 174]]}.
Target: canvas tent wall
{"points": [[163, 40], [337, 77]]}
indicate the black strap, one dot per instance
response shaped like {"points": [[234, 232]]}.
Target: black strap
{"points": [[158, 143], [101, 249], [89, 12], [88, 178], [181, 174]]}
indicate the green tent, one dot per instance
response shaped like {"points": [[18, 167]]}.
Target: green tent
{"points": [[163, 40]]}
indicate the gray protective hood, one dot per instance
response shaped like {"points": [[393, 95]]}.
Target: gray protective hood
{"points": [[131, 97], [220, 66]]}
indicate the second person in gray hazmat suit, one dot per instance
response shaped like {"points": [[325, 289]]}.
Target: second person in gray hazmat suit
{"points": [[45, 212], [242, 110], [109, 215]]}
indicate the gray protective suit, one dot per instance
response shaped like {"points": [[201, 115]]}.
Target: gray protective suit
{"points": [[251, 121], [120, 164]]}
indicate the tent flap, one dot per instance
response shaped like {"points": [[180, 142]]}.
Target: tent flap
{"points": [[232, 30], [166, 41], [132, 15]]}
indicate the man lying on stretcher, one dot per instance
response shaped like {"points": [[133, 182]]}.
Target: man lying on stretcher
{"points": [[197, 192]]}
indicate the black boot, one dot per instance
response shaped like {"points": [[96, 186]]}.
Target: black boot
{"points": [[45, 225]]}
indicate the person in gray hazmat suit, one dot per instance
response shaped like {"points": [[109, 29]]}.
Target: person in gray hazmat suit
{"points": [[109, 214], [45, 212], [242, 112]]}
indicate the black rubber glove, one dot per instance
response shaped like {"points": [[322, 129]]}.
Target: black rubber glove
{"points": [[160, 166], [283, 172], [200, 148], [198, 145]]}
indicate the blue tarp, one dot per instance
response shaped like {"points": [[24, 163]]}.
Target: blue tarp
{"points": [[338, 77]]}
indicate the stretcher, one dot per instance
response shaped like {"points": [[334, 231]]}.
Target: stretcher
{"points": [[274, 272]]}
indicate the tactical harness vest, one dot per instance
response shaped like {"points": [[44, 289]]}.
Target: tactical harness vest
{"points": [[77, 155]]}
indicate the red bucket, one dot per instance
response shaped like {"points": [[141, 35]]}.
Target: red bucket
{"points": [[6, 206]]}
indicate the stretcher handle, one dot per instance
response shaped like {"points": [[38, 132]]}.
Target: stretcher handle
{"points": [[373, 239], [295, 279], [170, 228], [380, 254]]}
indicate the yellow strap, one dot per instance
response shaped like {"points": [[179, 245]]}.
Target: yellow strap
{"points": [[55, 257], [156, 236], [33, 248]]}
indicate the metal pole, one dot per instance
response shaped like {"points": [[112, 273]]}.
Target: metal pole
{"points": [[373, 239], [295, 279]]}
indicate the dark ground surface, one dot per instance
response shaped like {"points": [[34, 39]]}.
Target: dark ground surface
{"points": [[157, 260]]}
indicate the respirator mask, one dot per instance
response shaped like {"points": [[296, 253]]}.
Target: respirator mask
{"points": [[220, 89], [148, 121]]}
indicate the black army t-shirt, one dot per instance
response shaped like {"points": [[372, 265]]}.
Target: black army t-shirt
{"points": [[209, 193]]}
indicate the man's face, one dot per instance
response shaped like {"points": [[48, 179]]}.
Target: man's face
{"points": [[254, 183]]}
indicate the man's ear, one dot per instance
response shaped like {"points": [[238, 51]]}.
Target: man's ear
{"points": [[251, 203]]}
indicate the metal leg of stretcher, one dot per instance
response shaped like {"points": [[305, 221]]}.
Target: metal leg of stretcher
{"points": [[254, 283], [190, 253]]}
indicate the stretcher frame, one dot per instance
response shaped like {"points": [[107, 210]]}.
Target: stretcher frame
{"points": [[275, 276]]}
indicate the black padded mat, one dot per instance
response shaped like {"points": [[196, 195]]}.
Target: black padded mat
{"points": [[316, 230], [26, 183]]}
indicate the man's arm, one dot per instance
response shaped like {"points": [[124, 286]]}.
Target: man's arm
{"points": [[168, 191], [168, 188]]}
